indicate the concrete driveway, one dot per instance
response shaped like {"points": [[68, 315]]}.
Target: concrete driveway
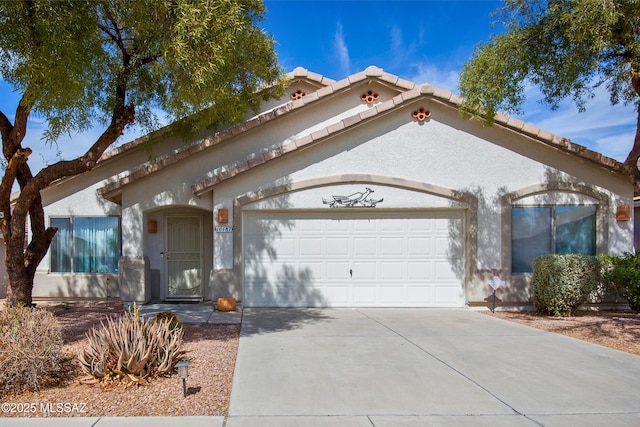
{"points": [[416, 367]]}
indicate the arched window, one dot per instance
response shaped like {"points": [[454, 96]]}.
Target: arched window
{"points": [[560, 229]]}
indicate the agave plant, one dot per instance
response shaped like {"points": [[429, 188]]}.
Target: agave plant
{"points": [[131, 349]]}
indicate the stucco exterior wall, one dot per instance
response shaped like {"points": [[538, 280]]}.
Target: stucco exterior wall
{"points": [[486, 164], [444, 163]]}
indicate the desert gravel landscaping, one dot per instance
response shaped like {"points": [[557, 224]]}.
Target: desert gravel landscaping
{"points": [[614, 329], [212, 350]]}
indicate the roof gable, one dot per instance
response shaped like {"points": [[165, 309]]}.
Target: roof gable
{"points": [[301, 79]]}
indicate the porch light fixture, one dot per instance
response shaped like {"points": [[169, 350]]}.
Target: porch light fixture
{"points": [[223, 216], [623, 213], [152, 226], [183, 372]]}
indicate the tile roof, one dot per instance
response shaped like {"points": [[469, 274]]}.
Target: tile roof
{"points": [[408, 91]]}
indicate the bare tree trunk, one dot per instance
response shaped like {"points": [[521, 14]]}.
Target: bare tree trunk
{"points": [[631, 162], [22, 260]]}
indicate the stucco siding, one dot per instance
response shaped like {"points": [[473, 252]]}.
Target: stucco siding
{"points": [[330, 143]]}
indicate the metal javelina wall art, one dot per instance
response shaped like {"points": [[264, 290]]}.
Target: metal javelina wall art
{"points": [[359, 199]]}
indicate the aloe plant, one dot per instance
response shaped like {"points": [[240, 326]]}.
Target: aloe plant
{"points": [[131, 349]]}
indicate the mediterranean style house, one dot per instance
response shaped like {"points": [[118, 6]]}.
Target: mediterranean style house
{"points": [[368, 191]]}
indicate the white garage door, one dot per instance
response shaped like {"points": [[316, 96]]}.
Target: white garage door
{"points": [[349, 259]]}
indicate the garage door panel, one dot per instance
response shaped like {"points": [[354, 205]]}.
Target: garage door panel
{"points": [[336, 226], [304, 259], [441, 225], [337, 246], [337, 270], [314, 270], [420, 246], [364, 246], [392, 225], [421, 224], [392, 247], [365, 295], [339, 295], [364, 270], [313, 225], [420, 295], [285, 247], [311, 247], [441, 247], [418, 270], [360, 225], [391, 271], [444, 270], [392, 295], [447, 295]]}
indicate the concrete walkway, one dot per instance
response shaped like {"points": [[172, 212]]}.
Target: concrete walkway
{"points": [[405, 368], [416, 367], [193, 313]]}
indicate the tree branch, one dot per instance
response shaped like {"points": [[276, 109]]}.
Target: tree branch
{"points": [[631, 162], [13, 139], [122, 116], [116, 35], [140, 62], [5, 126]]}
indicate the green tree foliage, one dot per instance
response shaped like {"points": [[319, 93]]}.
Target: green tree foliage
{"points": [[567, 48], [115, 62], [621, 275]]}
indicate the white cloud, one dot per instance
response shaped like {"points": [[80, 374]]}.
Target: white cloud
{"points": [[616, 146], [397, 45], [400, 53], [342, 51], [598, 114], [608, 129], [436, 76]]}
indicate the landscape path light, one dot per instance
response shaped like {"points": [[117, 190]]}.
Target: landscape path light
{"points": [[183, 372], [107, 283], [495, 283]]}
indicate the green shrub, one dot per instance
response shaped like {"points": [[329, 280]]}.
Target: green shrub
{"points": [[131, 349], [174, 321], [621, 274], [30, 348], [562, 282]]}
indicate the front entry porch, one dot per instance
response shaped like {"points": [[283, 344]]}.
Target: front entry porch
{"points": [[178, 245]]}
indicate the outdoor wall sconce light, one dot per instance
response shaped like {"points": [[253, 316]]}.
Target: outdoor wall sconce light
{"points": [[183, 372], [223, 216], [152, 226], [623, 213]]}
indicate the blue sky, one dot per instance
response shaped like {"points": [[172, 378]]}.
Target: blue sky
{"points": [[422, 41]]}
